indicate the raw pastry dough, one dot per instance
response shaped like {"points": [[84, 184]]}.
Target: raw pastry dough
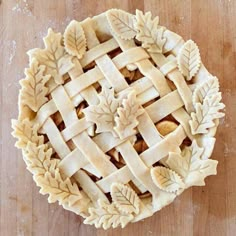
{"points": [[109, 124]]}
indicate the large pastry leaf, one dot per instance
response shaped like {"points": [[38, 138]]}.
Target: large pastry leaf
{"points": [[182, 163], [127, 114], [103, 113], [189, 59], [206, 113], [122, 23], [54, 56], [34, 90], [124, 198], [25, 131], [206, 99], [206, 89], [166, 179], [149, 32], [74, 39], [63, 191], [38, 159], [106, 216], [190, 166]]}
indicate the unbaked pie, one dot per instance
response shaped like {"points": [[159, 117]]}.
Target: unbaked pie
{"points": [[117, 117]]}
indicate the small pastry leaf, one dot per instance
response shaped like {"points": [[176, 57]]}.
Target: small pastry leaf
{"points": [[166, 179], [121, 23], [189, 60], [74, 39], [124, 198]]}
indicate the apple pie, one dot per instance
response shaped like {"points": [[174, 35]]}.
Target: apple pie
{"points": [[117, 117]]}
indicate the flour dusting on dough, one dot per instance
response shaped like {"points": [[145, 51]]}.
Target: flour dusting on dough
{"points": [[22, 7], [55, 25], [12, 51]]}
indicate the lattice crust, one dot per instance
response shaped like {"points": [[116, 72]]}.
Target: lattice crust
{"points": [[110, 125]]}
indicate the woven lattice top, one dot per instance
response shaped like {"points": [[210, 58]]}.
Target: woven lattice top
{"points": [[117, 117]]}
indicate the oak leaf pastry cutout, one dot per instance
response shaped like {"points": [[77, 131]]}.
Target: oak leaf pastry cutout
{"points": [[26, 132], [189, 164], [38, 159], [34, 88], [63, 191], [53, 57], [117, 115], [107, 215], [127, 113], [125, 204], [109, 123], [149, 32], [207, 104], [103, 113]]}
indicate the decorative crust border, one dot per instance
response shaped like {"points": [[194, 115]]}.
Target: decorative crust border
{"points": [[180, 169]]}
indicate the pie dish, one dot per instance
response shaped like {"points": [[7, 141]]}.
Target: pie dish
{"points": [[117, 117]]}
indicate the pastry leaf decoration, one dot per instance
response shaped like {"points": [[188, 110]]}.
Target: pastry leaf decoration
{"points": [[125, 203], [58, 189], [74, 39], [207, 107], [206, 89], [124, 198], [121, 23], [54, 56], [205, 114], [34, 91], [190, 166], [103, 113], [118, 116], [127, 114], [149, 32], [141, 26], [189, 60], [38, 159], [26, 132], [166, 179], [106, 216]]}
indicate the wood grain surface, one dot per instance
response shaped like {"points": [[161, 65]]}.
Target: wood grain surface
{"points": [[209, 210]]}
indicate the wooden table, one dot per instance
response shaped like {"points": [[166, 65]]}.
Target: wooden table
{"points": [[209, 210]]}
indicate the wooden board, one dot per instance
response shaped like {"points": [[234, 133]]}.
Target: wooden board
{"points": [[209, 210]]}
